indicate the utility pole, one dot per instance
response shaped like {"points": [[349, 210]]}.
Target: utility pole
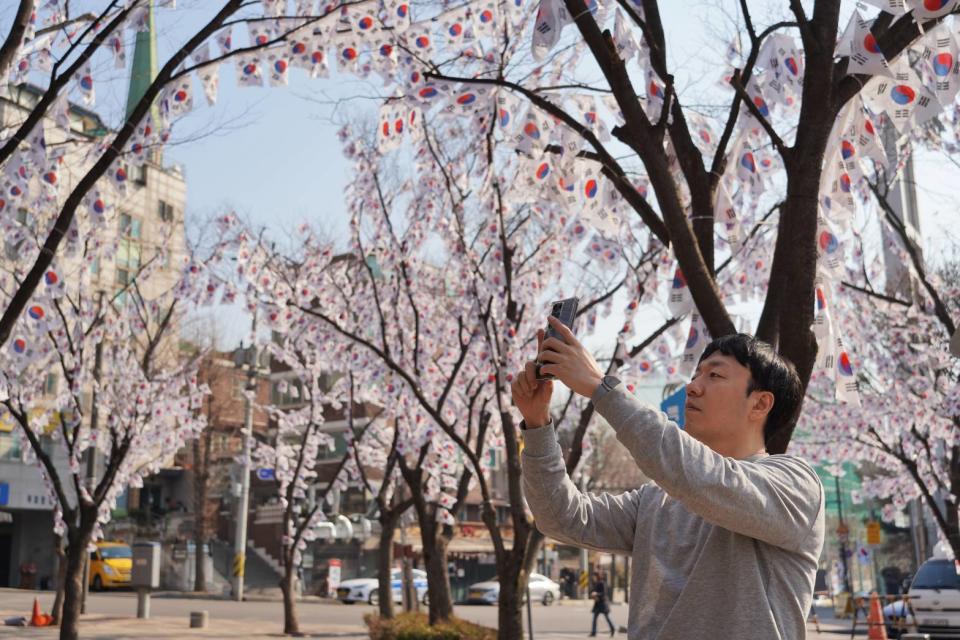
{"points": [[584, 556], [92, 451], [243, 508]]}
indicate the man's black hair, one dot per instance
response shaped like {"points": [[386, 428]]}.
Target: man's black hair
{"points": [[769, 371]]}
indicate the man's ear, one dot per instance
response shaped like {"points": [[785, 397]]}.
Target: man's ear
{"points": [[761, 403]]}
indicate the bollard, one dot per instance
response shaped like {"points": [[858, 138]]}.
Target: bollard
{"points": [[143, 603], [198, 619]]}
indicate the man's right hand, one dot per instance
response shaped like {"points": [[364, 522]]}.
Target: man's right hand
{"points": [[532, 396]]}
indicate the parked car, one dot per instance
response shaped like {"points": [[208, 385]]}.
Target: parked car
{"points": [[366, 589], [935, 597], [542, 589], [110, 566]]}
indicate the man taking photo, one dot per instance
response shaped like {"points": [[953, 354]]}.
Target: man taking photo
{"points": [[725, 541]]}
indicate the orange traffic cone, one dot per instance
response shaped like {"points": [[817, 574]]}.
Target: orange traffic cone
{"points": [[876, 629], [38, 619]]}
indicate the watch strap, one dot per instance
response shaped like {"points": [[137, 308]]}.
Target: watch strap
{"points": [[607, 384]]}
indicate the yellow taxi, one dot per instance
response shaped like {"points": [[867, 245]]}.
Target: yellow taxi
{"points": [[110, 565]]}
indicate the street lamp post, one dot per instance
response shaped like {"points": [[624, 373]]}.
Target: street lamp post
{"points": [[249, 356]]}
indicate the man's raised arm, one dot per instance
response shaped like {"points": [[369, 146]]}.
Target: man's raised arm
{"points": [[775, 499], [603, 522]]}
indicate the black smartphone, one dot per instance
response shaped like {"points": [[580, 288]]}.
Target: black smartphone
{"points": [[566, 312]]}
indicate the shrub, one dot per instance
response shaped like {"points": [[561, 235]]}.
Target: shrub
{"points": [[416, 626]]}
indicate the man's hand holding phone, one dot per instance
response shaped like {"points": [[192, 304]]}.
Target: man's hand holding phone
{"points": [[569, 361], [559, 356], [532, 396]]}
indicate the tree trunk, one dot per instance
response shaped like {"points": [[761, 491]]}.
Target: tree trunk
{"points": [[510, 606], [77, 538], [385, 566], [57, 612], [200, 475], [200, 566], [288, 586], [435, 564], [953, 527]]}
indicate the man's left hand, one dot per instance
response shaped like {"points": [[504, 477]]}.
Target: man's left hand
{"points": [[569, 361]]}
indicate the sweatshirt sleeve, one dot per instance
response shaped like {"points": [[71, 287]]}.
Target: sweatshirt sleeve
{"points": [[776, 499], [603, 522]]}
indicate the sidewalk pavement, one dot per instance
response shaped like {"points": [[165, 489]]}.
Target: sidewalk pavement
{"points": [[114, 627], [162, 628]]}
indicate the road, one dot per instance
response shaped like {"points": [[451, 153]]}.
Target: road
{"points": [[573, 618], [112, 615]]}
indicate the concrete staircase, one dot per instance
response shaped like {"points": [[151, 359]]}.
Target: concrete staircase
{"points": [[266, 558], [262, 573]]}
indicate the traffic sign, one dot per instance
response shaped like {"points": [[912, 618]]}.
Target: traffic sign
{"points": [[873, 532], [675, 406], [266, 474]]}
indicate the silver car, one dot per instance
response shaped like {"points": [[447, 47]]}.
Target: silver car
{"points": [[542, 589]]}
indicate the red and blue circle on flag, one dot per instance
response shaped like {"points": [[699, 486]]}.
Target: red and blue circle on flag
{"points": [[903, 94], [942, 64]]}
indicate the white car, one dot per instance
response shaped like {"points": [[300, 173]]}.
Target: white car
{"points": [[935, 598], [366, 589], [542, 589]]}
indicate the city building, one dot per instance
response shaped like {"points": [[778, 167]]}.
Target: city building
{"points": [[155, 199]]}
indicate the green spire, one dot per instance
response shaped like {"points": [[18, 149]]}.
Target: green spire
{"points": [[144, 68]]}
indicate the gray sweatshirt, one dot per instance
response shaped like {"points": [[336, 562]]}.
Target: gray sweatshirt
{"points": [[720, 548]]}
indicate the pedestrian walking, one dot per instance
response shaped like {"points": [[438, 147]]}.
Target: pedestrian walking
{"points": [[601, 606], [725, 540]]}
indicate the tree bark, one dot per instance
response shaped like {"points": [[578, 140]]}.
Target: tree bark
{"points": [[510, 607], [388, 525], [435, 564], [15, 37], [291, 623], [78, 537]]}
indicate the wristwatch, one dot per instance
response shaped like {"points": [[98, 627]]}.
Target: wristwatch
{"points": [[524, 427], [607, 384]]}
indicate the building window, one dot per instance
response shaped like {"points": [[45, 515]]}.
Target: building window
{"points": [[129, 226], [336, 452], [287, 392], [9, 442], [165, 209], [138, 174], [50, 385], [128, 249], [220, 445]]}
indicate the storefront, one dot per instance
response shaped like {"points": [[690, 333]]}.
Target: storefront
{"points": [[27, 555]]}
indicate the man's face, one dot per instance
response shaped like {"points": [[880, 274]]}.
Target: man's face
{"points": [[717, 408]]}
